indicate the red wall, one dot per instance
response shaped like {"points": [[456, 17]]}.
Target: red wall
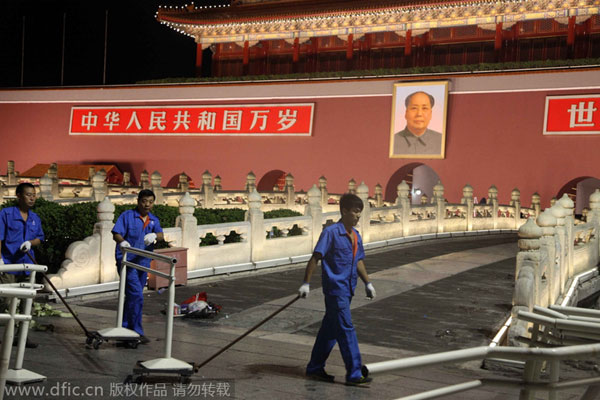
{"points": [[493, 137]]}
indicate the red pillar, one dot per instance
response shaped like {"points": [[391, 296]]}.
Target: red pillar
{"points": [[368, 43], [498, 42], [216, 60], [408, 43], [198, 59], [266, 44], [571, 38], [246, 58], [314, 42], [498, 38], [350, 52], [296, 55], [571, 33]]}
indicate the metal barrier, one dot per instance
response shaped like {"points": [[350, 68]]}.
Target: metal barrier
{"points": [[167, 362], [559, 328], [15, 292]]}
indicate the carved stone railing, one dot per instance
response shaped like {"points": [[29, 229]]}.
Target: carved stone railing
{"points": [[261, 240], [553, 250]]}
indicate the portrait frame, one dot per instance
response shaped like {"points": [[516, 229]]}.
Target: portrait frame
{"points": [[435, 127]]}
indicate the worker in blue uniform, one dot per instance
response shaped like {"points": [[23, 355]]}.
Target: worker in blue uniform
{"points": [[341, 253], [140, 229], [20, 231]]}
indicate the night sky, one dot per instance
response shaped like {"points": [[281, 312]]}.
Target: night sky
{"points": [[138, 47]]}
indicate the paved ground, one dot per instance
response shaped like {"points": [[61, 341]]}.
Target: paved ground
{"points": [[431, 296]]}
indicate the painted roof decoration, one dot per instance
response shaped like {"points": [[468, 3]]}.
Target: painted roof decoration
{"points": [[253, 21]]}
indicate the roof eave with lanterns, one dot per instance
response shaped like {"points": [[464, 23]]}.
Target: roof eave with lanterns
{"points": [[210, 25]]}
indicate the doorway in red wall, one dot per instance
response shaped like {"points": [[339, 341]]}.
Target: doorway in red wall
{"points": [[420, 178], [273, 178], [579, 190]]}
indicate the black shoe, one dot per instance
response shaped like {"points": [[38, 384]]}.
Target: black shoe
{"points": [[321, 376], [359, 382], [144, 340]]}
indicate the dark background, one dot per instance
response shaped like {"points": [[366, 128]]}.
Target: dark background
{"points": [[138, 46]]}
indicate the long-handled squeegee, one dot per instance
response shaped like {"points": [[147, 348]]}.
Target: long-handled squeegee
{"points": [[198, 366]]}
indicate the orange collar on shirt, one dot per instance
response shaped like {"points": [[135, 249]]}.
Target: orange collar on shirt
{"points": [[146, 222], [354, 243]]}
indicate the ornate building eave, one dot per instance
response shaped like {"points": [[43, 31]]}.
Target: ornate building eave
{"points": [[245, 23]]}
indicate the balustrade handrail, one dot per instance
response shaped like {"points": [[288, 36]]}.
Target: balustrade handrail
{"points": [[548, 355]]}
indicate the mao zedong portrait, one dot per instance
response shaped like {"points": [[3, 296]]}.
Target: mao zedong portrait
{"points": [[416, 137]]}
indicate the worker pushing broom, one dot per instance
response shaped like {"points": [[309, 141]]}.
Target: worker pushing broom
{"points": [[341, 253]]}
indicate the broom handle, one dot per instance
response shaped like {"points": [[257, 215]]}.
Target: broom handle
{"points": [[197, 367]]}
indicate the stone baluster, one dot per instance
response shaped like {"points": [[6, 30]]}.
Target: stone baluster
{"points": [[290, 194], [569, 224], [527, 276], [536, 204], [315, 211], [91, 173], [3, 193], [403, 201], [364, 223], [515, 201], [584, 214], [379, 195], [207, 190], [469, 201], [46, 188], [352, 186], [156, 181], [126, 179], [144, 180], [551, 246], [324, 194], [257, 226], [184, 183], [217, 183], [106, 214], [440, 202], [53, 174], [189, 227], [98, 188], [493, 201], [559, 213], [11, 176], [594, 214], [424, 199], [250, 182]]}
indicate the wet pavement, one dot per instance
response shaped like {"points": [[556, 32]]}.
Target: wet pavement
{"points": [[432, 296]]}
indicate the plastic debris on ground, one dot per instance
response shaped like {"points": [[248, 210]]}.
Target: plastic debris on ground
{"points": [[196, 306]]}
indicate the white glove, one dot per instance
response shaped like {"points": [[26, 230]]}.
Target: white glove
{"points": [[124, 243], [1, 261], [149, 239], [370, 289], [25, 246], [304, 289]]}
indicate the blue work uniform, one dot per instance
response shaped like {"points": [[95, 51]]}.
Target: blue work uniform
{"points": [[339, 277], [14, 230], [132, 227]]}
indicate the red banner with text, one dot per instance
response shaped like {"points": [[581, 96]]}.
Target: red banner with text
{"points": [[572, 115], [219, 120]]}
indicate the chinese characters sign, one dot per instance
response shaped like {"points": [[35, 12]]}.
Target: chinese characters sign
{"points": [[220, 120], [572, 115]]}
